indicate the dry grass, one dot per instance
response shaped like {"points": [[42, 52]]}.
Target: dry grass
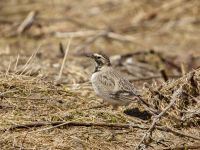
{"points": [[27, 99]]}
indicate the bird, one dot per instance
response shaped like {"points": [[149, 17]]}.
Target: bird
{"points": [[109, 84]]}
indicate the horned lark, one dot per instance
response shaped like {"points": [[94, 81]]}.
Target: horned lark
{"points": [[112, 87]]}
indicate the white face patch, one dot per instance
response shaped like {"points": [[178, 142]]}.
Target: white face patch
{"points": [[101, 61], [98, 55]]}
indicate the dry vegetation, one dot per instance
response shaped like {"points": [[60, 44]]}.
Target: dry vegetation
{"points": [[154, 43]]}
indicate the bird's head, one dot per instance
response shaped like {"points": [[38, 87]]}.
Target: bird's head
{"points": [[100, 59]]}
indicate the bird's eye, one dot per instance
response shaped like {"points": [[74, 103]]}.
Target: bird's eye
{"points": [[98, 57]]}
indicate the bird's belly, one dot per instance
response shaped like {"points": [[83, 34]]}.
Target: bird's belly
{"points": [[98, 87], [95, 84]]}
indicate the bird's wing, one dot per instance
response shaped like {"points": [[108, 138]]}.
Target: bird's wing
{"points": [[123, 89], [106, 82], [125, 85], [112, 84], [122, 84]]}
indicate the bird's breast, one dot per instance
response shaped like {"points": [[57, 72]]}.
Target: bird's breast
{"points": [[94, 81]]}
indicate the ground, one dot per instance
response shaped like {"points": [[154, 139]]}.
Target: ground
{"points": [[143, 39]]}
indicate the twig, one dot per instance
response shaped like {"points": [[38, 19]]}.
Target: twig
{"points": [[147, 106], [122, 38], [72, 123], [164, 74], [99, 124], [89, 33], [157, 118], [29, 98], [27, 23], [183, 71], [197, 146], [56, 126], [166, 61], [77, 34], [176, 132], [6, 92], [8, 69], [16, 62], [16, 146], [89, 41], [61, 50], [94, 35], [29, 61], [64, 59]]}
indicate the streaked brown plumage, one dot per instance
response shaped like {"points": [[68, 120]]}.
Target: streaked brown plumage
{"points": [[109, 84]]}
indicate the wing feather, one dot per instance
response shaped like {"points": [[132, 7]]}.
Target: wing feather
{"points": [[110, 84]]}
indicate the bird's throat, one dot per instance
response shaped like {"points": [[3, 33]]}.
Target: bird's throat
{"points": [[98, 68]]}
